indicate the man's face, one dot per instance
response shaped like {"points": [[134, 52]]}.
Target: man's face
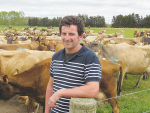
{"points": [[70, 37]]}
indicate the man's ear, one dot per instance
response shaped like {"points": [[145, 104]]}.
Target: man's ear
{"points": [[81, 36]]}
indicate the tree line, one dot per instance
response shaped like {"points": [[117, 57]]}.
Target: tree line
{"points": [[35, 21], [92, 21], [14, 18], [18, 18], [131, 21]]}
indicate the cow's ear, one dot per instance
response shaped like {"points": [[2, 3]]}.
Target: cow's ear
{"points": [[5, 78], [16, 71]]}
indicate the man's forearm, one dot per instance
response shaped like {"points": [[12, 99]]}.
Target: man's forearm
{"points": [[90, 90]]}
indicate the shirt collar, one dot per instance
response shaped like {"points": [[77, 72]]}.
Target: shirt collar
{"points": [[80, 52]]}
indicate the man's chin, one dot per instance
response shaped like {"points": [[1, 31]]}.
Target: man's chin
{"points": [[67, 47]]}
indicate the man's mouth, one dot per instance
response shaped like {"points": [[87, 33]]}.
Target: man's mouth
{"points": [[66, 42]]}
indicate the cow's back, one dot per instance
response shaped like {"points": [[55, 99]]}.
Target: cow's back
{"points": [[21, 60]]}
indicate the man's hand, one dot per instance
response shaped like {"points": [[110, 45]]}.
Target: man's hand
{"points": [[53, 99]]}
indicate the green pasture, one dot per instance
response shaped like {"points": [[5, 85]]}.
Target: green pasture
{"points": [[128, 32], [134, 103]]}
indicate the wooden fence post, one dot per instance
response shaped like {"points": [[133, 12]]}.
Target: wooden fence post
{"points": [[82, 105]]}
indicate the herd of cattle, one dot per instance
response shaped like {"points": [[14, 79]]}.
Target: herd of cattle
{"points": [[25, 58]]}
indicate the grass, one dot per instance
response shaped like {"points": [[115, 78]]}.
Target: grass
{"points": [[136, 103], [133, 103]]}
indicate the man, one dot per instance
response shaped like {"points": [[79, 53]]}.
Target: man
{"points": [[75, 70]]}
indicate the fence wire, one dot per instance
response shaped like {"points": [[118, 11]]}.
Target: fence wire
{"points": [[126, 95], [123, 95], [147, 111]]}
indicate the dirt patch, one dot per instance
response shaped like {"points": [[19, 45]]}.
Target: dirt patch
{"points": [[14, 106]]}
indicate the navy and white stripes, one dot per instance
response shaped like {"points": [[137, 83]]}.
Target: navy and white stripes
{"points": [[79, 70]]}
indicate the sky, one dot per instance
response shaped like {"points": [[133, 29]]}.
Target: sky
{"points": [[61, 8]]}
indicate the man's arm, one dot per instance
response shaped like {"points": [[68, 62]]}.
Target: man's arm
{"points": [[49, 92], [90, 90]]}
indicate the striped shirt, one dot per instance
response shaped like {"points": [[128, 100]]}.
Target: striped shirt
{"points": [[82, 67]]}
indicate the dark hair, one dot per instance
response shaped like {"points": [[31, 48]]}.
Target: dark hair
{"points": [[72, 20]]}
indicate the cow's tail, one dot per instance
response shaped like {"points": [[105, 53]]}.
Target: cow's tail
{"points": [[119, 83]]}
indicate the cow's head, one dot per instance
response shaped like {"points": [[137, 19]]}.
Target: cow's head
{"points": [[6, 90], [32, 106], [93, 46], [48, 45]]}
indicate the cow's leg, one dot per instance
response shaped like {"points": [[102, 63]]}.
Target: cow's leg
{"points": [[147, 74], [115, 105], [112, 99], [137, 84], [144, 76], [125, 76]]}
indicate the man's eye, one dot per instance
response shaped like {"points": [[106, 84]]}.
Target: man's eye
{"points": [[63, 33], [71, 34]]}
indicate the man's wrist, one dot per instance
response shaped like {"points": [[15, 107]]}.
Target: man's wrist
{"points": [[60, 93]]}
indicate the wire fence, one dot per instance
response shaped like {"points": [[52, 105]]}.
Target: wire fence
{"points": [[126, 95], [147, 111]]}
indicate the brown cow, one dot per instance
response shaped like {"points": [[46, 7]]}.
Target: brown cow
{"points": [[59, 46], [21, 60], [10, 27], [32, 46], [49, 44], [37, 78]]}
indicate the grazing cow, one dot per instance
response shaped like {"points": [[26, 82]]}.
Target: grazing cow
{"points": [[10, 27], [135, 60], [37, 78]]}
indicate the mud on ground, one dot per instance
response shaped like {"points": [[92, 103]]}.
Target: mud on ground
{"points": [[14, 106]]}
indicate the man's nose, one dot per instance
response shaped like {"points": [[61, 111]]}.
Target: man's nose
{"points": [[67, 37]]}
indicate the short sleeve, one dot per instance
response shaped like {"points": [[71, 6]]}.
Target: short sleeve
{"points": [[93, 70]]}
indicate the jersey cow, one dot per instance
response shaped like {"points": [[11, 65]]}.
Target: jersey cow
{"points": [[37, 78]]}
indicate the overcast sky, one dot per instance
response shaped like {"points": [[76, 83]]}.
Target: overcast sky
{"points": [[61, 8]]}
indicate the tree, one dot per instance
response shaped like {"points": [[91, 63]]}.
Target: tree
{"points": [[4, 20]]}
